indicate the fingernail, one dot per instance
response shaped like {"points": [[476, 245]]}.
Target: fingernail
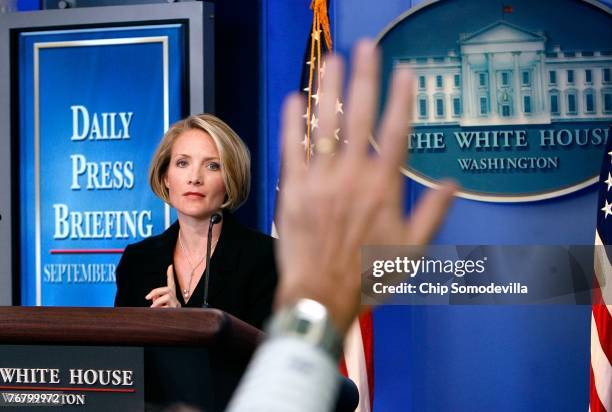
{"points": [[366, 44]]}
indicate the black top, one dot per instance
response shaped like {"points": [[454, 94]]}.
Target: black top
{"points": [[242, 272]]}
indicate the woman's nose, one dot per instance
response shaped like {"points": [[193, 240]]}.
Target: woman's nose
{"points": [[195, 178]]}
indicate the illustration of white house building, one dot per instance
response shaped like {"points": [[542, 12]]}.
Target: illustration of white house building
{"points": [[503, 75]]}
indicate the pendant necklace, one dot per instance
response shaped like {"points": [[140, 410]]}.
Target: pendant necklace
{"points": [[187, 289]]}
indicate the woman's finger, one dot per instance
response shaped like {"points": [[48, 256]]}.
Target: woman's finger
{"points": [[170, 279], [161, 301], [157, 292]]}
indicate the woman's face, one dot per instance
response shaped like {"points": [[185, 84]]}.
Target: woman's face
{"points": [[194, 178]]}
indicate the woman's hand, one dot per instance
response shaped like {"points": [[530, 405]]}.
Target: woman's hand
{"points": [[165, 297], [347, 197]]}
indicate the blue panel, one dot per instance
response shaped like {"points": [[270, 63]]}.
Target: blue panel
{"points": [[27, 5], [101, 116], [286, 26], [482, 358]]}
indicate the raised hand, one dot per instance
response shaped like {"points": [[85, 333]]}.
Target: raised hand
{"points": [[165, 297], [347, 197]]}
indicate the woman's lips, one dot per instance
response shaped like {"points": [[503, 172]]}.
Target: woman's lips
{"points": [[195, 194]]}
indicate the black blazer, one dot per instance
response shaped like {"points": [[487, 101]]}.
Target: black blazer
{"points": [[242, 272]]}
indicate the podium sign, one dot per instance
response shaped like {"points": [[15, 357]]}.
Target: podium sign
{"points": [[75, 378], [94, 104]]}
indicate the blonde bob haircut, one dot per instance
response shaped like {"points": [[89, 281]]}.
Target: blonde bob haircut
{"points": [[234, 155]]}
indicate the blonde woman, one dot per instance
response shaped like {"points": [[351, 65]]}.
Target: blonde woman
{"points": [[201, 168]]}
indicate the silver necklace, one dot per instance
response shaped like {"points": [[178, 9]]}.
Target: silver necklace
{"points": [[187, 290]]}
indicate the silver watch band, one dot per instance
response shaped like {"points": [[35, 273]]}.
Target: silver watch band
{"points": [[309, 320]]}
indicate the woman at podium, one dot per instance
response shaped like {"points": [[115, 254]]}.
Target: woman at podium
{"points": [[202, 169]]}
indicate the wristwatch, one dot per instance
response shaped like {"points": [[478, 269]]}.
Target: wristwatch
{"points": [[308, 320]]}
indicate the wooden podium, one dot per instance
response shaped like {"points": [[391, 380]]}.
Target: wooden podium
{"points": [[194, 356]]}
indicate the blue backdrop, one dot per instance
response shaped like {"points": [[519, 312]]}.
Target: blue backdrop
{"points": [[102, 111], [453, 358]]}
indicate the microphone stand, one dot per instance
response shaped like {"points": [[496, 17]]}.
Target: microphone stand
{"points": [[214, 219]]}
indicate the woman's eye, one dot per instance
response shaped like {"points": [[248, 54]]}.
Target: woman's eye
{"points": [[181, 163], [214, 166]]}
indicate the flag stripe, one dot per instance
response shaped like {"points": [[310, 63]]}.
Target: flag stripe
{"points": [[595, 403], [603, 273], [602, 370], [366, 322], [354, 356], [601, 310], [342, 367], [603, 324]]}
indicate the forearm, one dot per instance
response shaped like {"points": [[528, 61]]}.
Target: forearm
{"points": [[288, 374]]}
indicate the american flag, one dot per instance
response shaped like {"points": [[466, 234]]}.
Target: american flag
{"points": [[600, 399], [357, 363]]}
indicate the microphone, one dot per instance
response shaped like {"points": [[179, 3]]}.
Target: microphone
{"points": [[214, 219]]}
